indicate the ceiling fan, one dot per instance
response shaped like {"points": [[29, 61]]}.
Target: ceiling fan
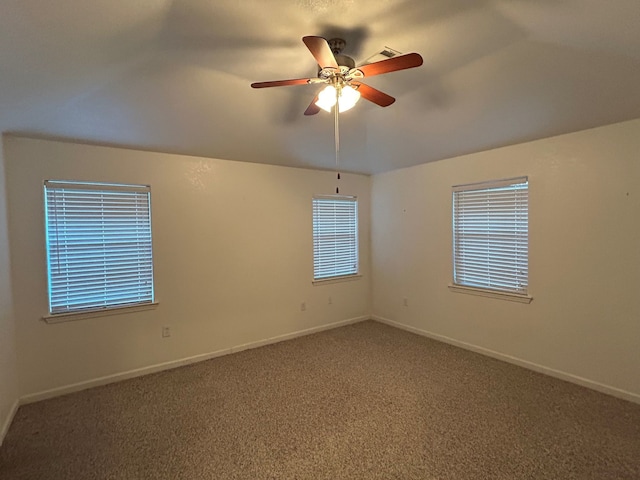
{"points": [[343, 78]]}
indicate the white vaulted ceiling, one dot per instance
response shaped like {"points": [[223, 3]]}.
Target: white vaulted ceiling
{"points": [[174, 75]]}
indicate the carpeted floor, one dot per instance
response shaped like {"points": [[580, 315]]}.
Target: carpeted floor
{"points": [[365, 401]]}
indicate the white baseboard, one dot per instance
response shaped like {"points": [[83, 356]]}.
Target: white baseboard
{"points": [[96, 382], [7, 421], [584, 382]]}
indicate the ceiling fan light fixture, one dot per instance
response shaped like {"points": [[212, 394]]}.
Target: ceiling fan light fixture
{"points": [[347, 98], [327, 98]]}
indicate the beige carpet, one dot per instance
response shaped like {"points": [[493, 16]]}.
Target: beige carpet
{"points": [[365, 401]]}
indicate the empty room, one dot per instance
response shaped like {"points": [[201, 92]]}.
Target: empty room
{"points": [[320, 239]]}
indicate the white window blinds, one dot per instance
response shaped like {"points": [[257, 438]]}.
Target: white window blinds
{"points": [[335, 237], [98, 246], [491, 235]]}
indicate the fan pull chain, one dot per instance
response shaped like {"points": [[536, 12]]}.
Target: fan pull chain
{"points": [[337, 136]]}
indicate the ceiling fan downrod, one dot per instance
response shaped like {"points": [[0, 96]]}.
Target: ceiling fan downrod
{"points": [[336, 133]]}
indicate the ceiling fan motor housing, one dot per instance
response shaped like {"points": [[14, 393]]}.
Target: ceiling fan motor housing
{"points": [[345, 62], [337, 46]]}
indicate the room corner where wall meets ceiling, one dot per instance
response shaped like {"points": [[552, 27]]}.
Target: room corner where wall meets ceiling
{"points": [[8, 359], [584, 232]]}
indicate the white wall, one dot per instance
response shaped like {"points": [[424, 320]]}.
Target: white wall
{"points": [[232, 251], [8, 370], [584, 261], [232, 244]]}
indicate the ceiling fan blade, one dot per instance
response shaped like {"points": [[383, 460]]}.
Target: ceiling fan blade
{"points": [[282, 83], [374, 95], [312, 109], [320, 50], [401, 62]]}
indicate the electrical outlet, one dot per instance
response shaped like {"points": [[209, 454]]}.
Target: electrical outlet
{"points": [[166, 332], [405, 301], [330, 301], [303, 306]]}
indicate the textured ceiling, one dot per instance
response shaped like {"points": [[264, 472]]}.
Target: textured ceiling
{"points": [[174, 75]]}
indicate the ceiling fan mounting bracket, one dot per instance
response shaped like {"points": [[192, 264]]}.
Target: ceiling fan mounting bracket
{"points": [[328, 73], [354, 74]]}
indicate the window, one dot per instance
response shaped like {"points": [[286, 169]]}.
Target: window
{"points": [[491, 235], [98, 246], [335, 237]]}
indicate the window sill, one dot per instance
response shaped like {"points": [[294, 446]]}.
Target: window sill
{"points": [[346, 278], [72, 316], [511, 297]]}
